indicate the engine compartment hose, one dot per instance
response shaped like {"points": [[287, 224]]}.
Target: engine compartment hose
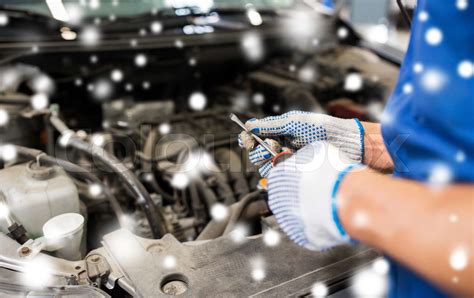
{"points": [[249, 207], [238, 209], [223, 188], [155, 219], [229, 157]]}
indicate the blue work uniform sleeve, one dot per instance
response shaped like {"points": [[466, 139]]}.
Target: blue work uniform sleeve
{"points": [[428, 123]]}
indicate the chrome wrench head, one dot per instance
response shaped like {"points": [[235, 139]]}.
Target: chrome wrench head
{"points": [[234, 118]]}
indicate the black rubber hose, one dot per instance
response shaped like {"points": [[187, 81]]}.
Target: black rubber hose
{"points": [[215, 229], [155, 218], [206, 192], [148, 150], [238, 209], [230, 159], [75, 171], [197, 205], [149, 180], [148, 165], [223, 188]]}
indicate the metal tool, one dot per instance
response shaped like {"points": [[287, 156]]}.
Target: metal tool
{"points": [[234, 118], [276, 157]]}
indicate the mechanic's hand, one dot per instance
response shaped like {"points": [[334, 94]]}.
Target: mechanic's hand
{"points": [[303, 128], [302, 195], [258, 155]]}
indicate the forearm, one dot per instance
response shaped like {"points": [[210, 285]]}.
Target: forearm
{"points": [[418, 226], [375, 153]]}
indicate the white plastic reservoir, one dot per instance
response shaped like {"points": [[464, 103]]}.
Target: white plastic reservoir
{"points": [[36, 194], [65, 231]]}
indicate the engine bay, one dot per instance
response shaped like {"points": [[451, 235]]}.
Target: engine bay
{"points": [[136, 139]]}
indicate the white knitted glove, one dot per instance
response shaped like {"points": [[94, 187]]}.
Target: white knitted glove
{"points": [[303, 128], [302, 195]]}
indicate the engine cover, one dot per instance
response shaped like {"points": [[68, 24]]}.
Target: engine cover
{"points": [[224, 268]]}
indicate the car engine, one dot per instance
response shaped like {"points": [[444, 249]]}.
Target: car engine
{"points": [[120, 172]]}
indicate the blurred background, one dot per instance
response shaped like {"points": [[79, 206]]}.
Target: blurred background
{"points": [[380, 18]]}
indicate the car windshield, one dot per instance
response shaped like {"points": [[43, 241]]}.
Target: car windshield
{"points": [[129, 8]]}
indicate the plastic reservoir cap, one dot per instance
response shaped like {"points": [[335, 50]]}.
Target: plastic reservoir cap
{"points": [[63, 225]]}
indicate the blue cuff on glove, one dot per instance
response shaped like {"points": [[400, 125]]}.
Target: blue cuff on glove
{"points": [[362, 133], [335, 216]]}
